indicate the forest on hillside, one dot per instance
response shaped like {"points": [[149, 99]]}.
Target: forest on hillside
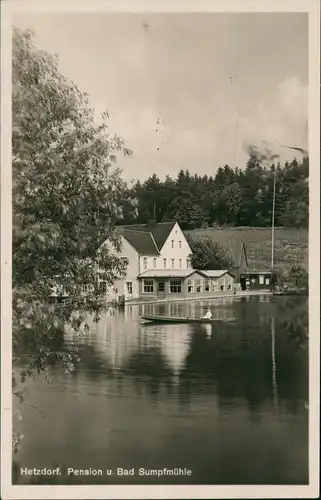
{"points": [[233, 197]]}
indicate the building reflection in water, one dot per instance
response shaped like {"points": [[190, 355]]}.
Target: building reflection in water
{"points": [[232, 360], [118, 338], [222, 309], [174, 345]]}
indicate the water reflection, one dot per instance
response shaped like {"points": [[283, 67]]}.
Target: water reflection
{"points": [[274, 382], [200, 396]]}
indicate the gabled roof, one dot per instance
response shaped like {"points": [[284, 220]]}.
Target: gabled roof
{"points": [[160, 232], [143, 242], [181, 273], [216, 273]]}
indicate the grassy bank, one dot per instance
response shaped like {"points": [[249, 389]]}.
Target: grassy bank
{"points": [[291, 245]]}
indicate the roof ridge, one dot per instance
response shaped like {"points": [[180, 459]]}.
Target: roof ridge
{"points": [[167, 222], [154, 241], [135, 231]]}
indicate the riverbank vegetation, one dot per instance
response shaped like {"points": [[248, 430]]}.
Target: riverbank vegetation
{"points": [[66, 193], [293, 278]]}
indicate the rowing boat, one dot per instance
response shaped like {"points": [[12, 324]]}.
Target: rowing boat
{"points": [[167, 319]]}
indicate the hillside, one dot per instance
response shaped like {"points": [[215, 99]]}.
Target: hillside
{"points": [[291, 245]]}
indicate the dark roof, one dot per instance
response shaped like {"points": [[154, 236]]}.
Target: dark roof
{"points": [[160, 231], [142, 241], [216, 273]]}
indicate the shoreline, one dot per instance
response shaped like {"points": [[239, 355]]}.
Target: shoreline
{"points": [[139, 302]]}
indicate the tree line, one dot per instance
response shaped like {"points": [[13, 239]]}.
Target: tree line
{"points": [[234, 197]]}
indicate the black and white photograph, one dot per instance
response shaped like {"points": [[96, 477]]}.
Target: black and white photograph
{"points": [[160, 269]]}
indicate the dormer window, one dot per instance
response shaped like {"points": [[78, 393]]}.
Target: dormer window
{"points": [[172, 243]]}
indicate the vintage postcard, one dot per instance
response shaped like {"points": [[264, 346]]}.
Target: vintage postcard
{"points": [[160, 173]]}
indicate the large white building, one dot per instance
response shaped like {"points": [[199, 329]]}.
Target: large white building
{"points": [[154, 247]]}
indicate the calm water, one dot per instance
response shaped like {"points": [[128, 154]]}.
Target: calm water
{"points": [[228, 402]]}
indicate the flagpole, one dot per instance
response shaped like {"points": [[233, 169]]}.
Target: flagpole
{"points": [[273, 217]]}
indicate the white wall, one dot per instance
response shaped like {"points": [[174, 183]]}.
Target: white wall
{"points": [[178, 252], [132, 269], [168, 252], [150, 262]]}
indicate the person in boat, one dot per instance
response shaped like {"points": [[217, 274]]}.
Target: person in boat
{"points": [[208, 314]]}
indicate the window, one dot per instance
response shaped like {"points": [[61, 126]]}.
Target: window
{"points": [[229, 287], [267, 281], [187, 263], [222, 288], [180, 244], [175, 286], [172, 243], [206, 285], [190, 285], [129, 286], [154, 263], [148, 286], [198, 285], [145, 262], [164, 263], [173, 263], [261, 280], [214, 286], [180, 263], [161, 286]]}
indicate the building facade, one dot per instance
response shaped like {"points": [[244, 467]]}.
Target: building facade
{"points": [[151, 247], [188, 283], [256, 280]]}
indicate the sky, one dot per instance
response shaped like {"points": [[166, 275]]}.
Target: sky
{"points": [[186, 90]]}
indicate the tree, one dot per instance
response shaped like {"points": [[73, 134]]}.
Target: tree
{"points": [[209, 254], [298, 278], [294, 277], [229, 204], [189, 215], [66, 193]]}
